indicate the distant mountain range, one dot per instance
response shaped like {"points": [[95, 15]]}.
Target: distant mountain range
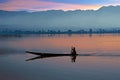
{"points": [[105, 17]]}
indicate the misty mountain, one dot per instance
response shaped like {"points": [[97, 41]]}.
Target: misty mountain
{"points": [[105, 17]]}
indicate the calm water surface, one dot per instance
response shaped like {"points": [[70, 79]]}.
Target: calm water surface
{"points": [[103, 64]]}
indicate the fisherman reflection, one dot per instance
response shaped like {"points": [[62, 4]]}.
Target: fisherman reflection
{"points": [[73, 58]]}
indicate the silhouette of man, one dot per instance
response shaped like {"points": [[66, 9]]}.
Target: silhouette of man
{"points": [[73, 51]]}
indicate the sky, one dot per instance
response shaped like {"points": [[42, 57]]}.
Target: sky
{"points": [[42, 5]]}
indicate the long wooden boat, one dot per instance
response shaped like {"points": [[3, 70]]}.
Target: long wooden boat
{"points": [[57, 54], [49, 54]]}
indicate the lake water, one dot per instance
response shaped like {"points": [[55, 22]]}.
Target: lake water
{"points": [[102, 64]]}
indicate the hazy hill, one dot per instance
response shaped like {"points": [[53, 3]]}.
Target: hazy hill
{"points": [[105, 17]]}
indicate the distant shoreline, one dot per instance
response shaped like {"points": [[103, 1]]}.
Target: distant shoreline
{"points": [[69, 31], [54, 33]]}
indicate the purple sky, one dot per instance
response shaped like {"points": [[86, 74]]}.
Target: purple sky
{"points": [[39, 5]]}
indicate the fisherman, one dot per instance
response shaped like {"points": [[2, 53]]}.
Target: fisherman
{"points": [[73, 51]]}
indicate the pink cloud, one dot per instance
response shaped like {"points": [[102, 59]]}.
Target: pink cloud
{"points": [[39, 5]]}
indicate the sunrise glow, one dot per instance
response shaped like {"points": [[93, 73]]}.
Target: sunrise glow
{"points": [[41, 5]]}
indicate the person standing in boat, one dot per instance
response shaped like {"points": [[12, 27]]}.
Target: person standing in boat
{"points": [[73, 51]]}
